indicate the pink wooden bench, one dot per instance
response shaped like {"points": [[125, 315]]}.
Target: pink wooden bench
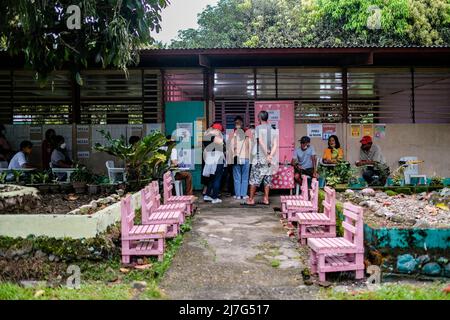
{"points": [[140, 240], [174, 206], [343, 253], [318, 225], [150, 215], [170, 198], [294, 206], [303, 196]]}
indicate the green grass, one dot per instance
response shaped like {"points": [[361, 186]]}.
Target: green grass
{"points": [[103, 280], [393, 292], [87, 291]]}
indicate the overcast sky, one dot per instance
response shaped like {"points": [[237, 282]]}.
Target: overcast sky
{"points": [[180, 14]]}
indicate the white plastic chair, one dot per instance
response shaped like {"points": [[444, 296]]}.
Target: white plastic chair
{"points": [[113, 172], [412, 170], [67, 171]]}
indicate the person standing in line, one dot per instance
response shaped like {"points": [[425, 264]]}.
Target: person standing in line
{"points": [[266, 151], [214, 155], [240, 158]]}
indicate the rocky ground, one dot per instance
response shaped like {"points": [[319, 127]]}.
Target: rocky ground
{"points": [[424, 210], [67, 204]]}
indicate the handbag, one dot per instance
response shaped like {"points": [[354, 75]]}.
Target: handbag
{"points": [[236, 158]]}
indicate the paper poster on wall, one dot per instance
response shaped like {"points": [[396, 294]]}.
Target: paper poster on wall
{"points": [[82, 129], [328, 130], [355, 130], [186, 158], [83, 141], [83, 154], [185, 131], [380, 131], [314, 130], [367, 130], [200, 127], [116, 132]]}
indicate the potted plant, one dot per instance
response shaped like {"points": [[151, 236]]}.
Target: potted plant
{"points": [[80, 178]]}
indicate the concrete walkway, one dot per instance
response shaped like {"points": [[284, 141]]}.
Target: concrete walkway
{"points": [[237, 252]]}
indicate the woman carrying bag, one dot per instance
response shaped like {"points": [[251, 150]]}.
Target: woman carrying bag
{"points": [[240, 149]]}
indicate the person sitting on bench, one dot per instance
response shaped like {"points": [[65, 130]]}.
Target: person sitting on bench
{"points": [[375, 170]]}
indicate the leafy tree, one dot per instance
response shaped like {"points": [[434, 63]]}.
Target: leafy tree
{"points": [[112, 32], [289, 23]]}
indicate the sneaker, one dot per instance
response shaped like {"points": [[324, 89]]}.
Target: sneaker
{"points": [[245, 197], [217, 201], [237, 198], [207, 198]]}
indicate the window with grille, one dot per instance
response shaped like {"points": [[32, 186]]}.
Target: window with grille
{"points": [[113, 97], [432, 95], [379, 95], [32, 102], [184, 85], [234, 84], [226, 110]]}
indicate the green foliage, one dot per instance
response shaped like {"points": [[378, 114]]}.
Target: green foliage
{"points": [[342, 172], [275, 263], [40, 177], [436, 181], [339, 213], [87, 291], [81, 174], [391, 193], [143, 160], [290, 23], [111, 33], [393, 291]]}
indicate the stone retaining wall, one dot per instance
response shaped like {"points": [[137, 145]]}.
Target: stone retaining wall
{"points": [[75, 226]]}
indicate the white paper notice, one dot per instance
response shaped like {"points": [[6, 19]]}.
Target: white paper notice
{"points": [[314, 130]]}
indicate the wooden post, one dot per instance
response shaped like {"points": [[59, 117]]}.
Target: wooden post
{"points": [[344, 96]]}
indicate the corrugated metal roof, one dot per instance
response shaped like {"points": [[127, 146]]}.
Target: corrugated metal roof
{"points": [[368, 46]]}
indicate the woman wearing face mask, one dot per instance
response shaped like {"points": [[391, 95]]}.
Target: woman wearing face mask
{"points": [[60, 158]]}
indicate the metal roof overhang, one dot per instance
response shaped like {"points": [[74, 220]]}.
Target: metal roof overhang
{"points": [[225, 58], [281, 57]]}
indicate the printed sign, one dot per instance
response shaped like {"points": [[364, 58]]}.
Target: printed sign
{"points": [[367, 130], [380, 131], [328, 130], [356, 130], [82, 129], [82, 141], [314, 130], [83, 154]]}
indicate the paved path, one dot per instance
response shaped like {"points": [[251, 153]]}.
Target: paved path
{"points": [[236, 252]]}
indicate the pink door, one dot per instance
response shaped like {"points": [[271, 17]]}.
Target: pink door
{"points": [[281, 114]]}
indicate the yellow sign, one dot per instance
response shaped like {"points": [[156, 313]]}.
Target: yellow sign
{"points": [[367, 130], [356, 130]]}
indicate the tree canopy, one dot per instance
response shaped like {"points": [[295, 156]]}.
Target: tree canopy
{"points": [[289, 23], [111, 32]]}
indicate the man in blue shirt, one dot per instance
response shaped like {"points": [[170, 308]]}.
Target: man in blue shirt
{"points": [[304, 160]]}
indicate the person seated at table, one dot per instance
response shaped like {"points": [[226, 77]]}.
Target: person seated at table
{"points": [[180, 175], [334, 153], [60, 157], [133, 140], [48, 144], [20, 159], [375, 171], [304, 160]]}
